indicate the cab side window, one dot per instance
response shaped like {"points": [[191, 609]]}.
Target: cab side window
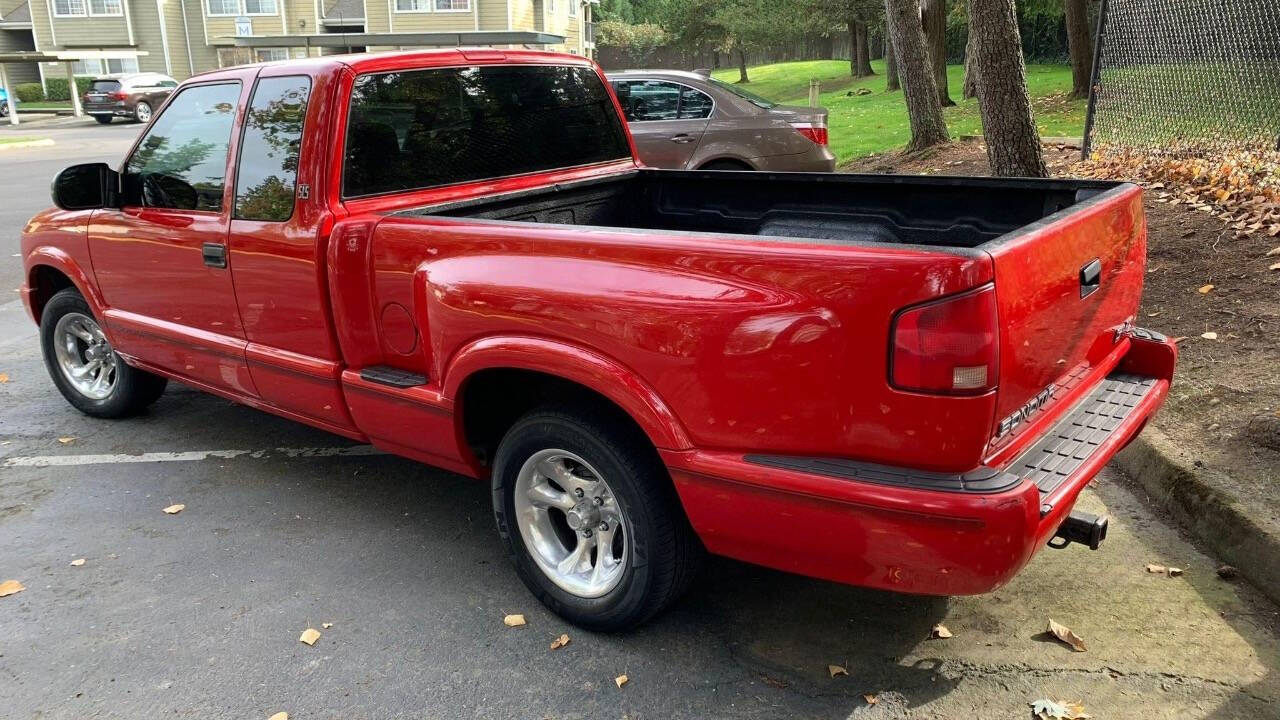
{"points": [[268, 167], [181, 163]]}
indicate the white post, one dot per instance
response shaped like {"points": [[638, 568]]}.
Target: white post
{"points": [[11, 93], [73, 90], [813, 92]]}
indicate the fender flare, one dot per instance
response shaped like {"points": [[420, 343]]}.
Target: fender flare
{"points": [[60, 260], [576, 364]]}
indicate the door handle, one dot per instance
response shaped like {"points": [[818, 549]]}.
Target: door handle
{"points": [[1090, 277], [683, 138], [215, 254]]}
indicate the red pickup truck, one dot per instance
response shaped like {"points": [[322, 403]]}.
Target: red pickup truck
{"points": [[897, 382]]}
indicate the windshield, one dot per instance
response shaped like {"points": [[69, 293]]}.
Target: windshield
{"points": [[748, 96]]}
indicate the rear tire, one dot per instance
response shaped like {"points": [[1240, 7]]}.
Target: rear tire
{"points": [[103, 119], [657, 551], [84, 367]]}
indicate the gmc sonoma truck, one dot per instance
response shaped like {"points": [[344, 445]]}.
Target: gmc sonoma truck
{"points": [[895, 382]]}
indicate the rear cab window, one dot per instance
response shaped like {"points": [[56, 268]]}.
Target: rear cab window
{"points": [[418, 129], [268, 168]]}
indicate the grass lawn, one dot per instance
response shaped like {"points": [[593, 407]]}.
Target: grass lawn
{"points": [[46, 105], [865, 124], [16, 139]]}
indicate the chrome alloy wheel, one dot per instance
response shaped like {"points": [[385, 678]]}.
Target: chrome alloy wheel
{"points": [[143, 112], [571, 523], [84, 356]]}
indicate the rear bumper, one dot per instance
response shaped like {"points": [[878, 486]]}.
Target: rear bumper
{"points": [[818, 159], [920, 532], [118, 109]]}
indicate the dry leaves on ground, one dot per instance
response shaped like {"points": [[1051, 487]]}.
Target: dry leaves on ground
{"points": [[4, 378], [837, 670], [11, 587], [66, 440], [621, 680], [175, 509], [1211, 335], [77, 562], [309, 636], [513, 620], [870, 698], [1206, 289], [940, 631], [1063, 633], [1162, 570], [326, 626], [559, 642], [1050, 710], [279, 716]]}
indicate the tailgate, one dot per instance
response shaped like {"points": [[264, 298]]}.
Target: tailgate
{"points": [[1064, 285]]}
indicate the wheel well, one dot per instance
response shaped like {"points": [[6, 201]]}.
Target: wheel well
{"points": [[493, 400], [45, 282], [725, 163]]}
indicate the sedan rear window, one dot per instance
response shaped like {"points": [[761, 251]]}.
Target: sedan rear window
{"points": [[104, 86], [424, 128]]}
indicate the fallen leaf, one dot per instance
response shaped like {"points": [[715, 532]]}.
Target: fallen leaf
{"points": [[326, 626], [279, 716], [940, 631], [559, 642], [1050, 710], [1159, 569], [1175, 572], [66, 440], [621, 680], [175, 509], [870, 698], [1274, 266], [837, 670], [11, 587], [4, 377], [309, 636], [513, 620], [1209, 335], [1275, 250], [77, 562], [1206, 289], [1063, 633]]}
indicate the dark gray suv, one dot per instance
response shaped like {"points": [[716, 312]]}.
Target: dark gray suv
{"points": [[134, 96], [683, 120]]}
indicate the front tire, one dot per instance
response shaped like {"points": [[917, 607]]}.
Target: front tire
{"points": [[83, 365], [591, 518], [142, 112]]}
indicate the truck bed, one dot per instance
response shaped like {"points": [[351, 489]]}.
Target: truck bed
{"points": [[835, 209]]}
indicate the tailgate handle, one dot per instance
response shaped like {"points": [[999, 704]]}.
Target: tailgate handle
{"points": [[1090, 276]]}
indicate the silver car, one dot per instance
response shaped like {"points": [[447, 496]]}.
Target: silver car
{"points": [[683, 120]]}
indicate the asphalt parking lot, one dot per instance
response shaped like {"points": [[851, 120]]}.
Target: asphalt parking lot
{"points": [[198, 614]]}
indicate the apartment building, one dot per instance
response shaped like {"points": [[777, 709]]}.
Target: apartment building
{"points": [[184, 37]]}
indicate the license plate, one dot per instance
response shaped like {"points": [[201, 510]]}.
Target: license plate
{"points": [[95, 96]]}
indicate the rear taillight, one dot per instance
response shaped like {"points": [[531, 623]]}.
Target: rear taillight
{"points": [[947, 346], [816, 132], [119, 95]]}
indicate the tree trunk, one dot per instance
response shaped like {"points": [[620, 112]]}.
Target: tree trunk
{"points": [[918, 88], [861, 50], [1080, 44], [890, 63], [742, 64], [934, 21], [1013, 145], [970, 85]]}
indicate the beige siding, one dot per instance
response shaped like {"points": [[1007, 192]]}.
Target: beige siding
{"points": [[375, 16], [203, 56], [146, 32], [14, 40], [433, 22], [91, 32], [493, 14]]}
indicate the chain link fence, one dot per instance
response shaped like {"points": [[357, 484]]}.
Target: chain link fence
{"points": [[1191, 76]]}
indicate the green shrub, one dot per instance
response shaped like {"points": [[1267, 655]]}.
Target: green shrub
{"points": [[28, 92], [56, 87]]}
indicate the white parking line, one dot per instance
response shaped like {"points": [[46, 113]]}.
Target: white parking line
{"points": [[68, 460]]}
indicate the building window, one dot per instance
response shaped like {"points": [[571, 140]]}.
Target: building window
{"points": [[121, 66], [224, 7], [573, 8], [86, 67], [105, 7], [68, 8], [453, 5], [409, 6], [273, 55], [551, 7], [260, 7]]}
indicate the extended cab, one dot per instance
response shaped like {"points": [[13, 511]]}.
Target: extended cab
{"points": [[898, 382]]}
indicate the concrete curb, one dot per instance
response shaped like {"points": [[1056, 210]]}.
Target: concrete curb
{"points": [[27, 143], [1189, 492]]}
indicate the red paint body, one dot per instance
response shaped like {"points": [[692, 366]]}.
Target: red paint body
{"points": [[717, 348]]}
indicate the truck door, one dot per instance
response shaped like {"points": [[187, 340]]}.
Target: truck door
{"points": [[667, 120], [160, 260], [276, 247]]}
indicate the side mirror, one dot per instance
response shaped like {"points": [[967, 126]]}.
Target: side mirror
{"points": [[86, 187]]}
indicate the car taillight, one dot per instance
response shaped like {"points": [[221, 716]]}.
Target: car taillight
{"points": [[947, 346], [120, 95], [816, 132]]}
